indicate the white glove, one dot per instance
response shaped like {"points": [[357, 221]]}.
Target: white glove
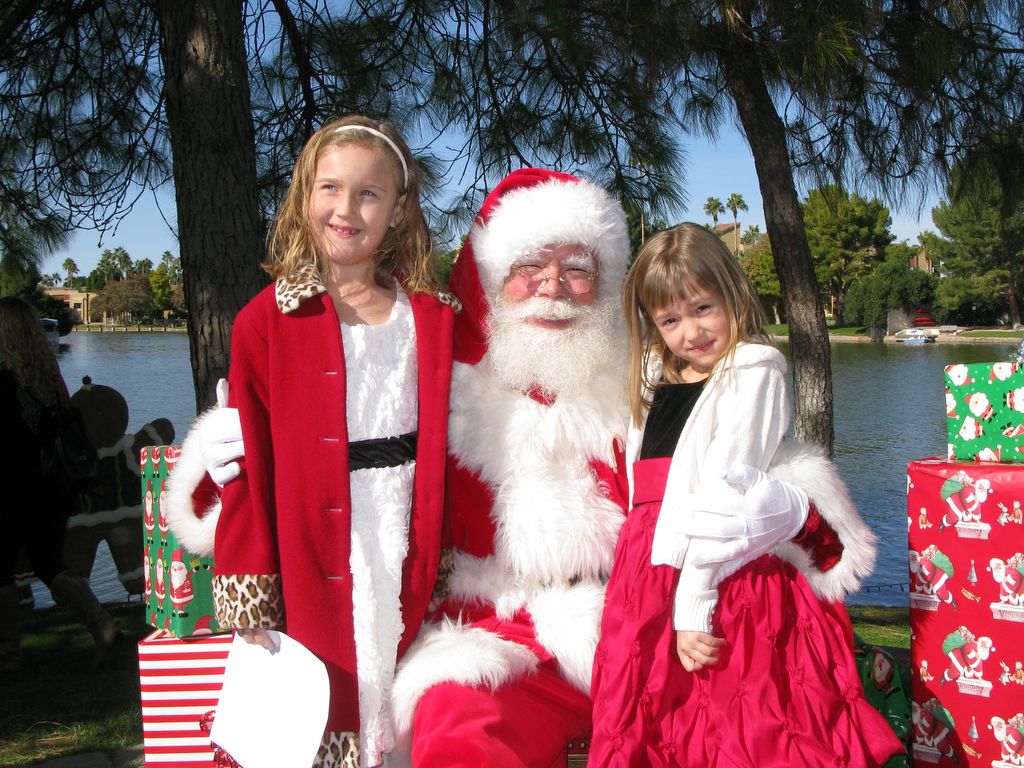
{"points": [[734, 529], [220, 439]]}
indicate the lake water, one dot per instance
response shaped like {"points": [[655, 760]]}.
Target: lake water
{"points": [[889, 410]]}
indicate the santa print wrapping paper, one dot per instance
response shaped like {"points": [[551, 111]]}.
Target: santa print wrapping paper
{"points": [[180, 681], [178, 588], [966, 540], [985, 411]]}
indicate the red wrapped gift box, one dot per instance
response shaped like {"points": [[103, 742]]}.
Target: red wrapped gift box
{"points": [[966, 540], [180, 680]]}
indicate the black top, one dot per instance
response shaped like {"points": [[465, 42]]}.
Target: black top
{"points": [[672, 406], [20, 445]]}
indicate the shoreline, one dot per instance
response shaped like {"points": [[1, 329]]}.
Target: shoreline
{"points": [[942, 338], [126, 328], [945, 338]]}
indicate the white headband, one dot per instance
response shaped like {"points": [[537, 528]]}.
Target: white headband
{"points": [[389, 142]]}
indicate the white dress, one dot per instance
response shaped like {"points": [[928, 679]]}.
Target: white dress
{"points": [[380, 366]]}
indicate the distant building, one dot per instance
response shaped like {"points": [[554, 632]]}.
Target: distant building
{"points": [[79, 301], [730, 235], [922, 261]]}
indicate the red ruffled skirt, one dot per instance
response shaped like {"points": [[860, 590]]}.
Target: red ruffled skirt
{"points": [[784, 693]]}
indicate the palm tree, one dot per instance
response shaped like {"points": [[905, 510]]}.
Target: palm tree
{"points": [[751, 235], [714, 208], [735, 203], [70, 269]]}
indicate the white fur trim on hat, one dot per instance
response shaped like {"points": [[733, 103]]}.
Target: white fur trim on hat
{"points": [[554, 212]]}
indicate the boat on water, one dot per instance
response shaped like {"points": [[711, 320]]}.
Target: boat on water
{"points": [[50, 331], [917, 335]]}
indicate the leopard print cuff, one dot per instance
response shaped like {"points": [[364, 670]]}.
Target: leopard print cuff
{"points": [[443, 587], [338, 749], [242, 601]]}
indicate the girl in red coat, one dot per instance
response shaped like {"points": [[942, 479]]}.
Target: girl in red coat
{"points": [[702, 663], [340, 372]]}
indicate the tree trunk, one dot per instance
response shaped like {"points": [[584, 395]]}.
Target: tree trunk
{"points": [[1011, 286], [808, 337], [220, 231]]}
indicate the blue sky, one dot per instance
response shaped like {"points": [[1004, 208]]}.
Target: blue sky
{"points": [[715, 170]]}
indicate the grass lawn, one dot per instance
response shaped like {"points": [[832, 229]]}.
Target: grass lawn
{"points": [[859, 330], [852, 330], [880, 625], [994, 334], [56, 706]]}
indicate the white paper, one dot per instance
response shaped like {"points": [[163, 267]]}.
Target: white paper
{"points": [[273, 708]]}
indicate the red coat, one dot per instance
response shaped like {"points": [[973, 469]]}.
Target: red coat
{"points": [[289, 513]]}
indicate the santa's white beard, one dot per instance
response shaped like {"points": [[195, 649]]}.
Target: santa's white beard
{"points": [[557, 361], [177, 577]]}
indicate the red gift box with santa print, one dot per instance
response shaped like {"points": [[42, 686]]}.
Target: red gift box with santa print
{"points": [[180, 680], [966, 541], [178, 583]]}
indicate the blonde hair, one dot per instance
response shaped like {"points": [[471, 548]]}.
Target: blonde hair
{"points": [[406, 251], [24, 350], [671, 265]]}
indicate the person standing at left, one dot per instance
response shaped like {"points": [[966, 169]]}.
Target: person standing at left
{"points": [[340, 372], [31, 391]]}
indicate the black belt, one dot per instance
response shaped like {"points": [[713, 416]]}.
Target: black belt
{"points": [[382, 452]]}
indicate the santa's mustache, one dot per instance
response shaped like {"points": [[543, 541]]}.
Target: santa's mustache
{"points": [[544, 309]]}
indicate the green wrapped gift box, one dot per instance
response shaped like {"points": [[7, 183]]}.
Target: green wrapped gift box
{"points": [[985, 411], [178, 583]]}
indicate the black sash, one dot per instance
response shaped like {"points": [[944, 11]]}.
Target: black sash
{"points": [[382, 452]]}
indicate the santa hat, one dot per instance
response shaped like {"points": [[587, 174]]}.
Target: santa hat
{"points": [[178, 554], [528, 209]]}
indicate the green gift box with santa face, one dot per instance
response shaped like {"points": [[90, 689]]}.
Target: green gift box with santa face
{"points": [[985, 411], [178, 583]]}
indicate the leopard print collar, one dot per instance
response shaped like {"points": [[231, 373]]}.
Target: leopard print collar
{"points": [[290, 293]]}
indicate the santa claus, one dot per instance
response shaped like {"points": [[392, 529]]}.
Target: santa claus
{"points": [[1010, 577], [966, 654], [148, 520], [500, 673], [160, 587], [147, 574], [161, 521], [181, 590]]}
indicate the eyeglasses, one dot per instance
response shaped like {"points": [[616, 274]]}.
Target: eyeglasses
{"points": [[575, 281]]}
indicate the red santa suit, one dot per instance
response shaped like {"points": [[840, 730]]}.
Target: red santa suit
{"points": [[932, 727], [159, 587], [287, 529], [181, 590], [967, 658], [148, 521], [537, 489], [1011, 585]]}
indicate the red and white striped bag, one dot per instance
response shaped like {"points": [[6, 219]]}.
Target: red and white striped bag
{"points": [[180, 680]]}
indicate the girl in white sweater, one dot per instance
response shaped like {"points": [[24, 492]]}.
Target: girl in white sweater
{"points": [[706, 663]]}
